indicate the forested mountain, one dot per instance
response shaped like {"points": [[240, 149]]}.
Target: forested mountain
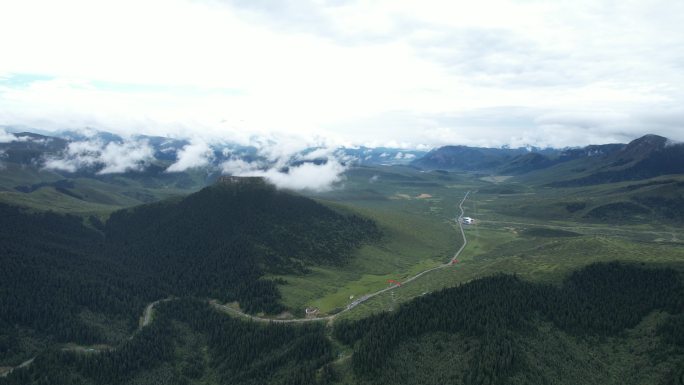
{"points": [[217, 243], [495, 330], [492, 317], [190, 342]]}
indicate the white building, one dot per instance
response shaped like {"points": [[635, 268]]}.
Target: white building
{"points": [[467, 220]]}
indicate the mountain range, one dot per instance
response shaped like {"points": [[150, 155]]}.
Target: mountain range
{"points": [[646, 157]]}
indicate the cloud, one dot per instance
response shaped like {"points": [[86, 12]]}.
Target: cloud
{"points": [[319, 153], [113, 157], [238, 167], [6, 137], [304, 174], [196, 154], [415, 73]]}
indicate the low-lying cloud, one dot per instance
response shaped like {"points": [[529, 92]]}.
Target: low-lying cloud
{"points": [[319, 170], [112, 157], [2, 156], [194, 155], [6, 137]]}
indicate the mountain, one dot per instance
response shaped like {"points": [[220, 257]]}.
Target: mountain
{"points": [[97, 171], [30, 148], [646, 157], [281, 230], [464, 158], [71, 278], [503, 330], [381, 155], [526, 163]]}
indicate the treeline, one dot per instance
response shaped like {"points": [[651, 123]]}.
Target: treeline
{"points": [[239, 353], [601, 299]]}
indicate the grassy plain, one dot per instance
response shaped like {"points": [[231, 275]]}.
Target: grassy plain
{"points": [[522, 229]]}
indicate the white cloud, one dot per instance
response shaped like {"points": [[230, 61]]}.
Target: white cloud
{"points": [[306, 176], [6, 137], [110, 158], [196, 154], [415, 73], [238, 167], [301, 176], [318, 153]]}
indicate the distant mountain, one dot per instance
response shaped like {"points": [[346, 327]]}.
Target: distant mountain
{"points": [[537, 161], [30, 148], [646, 157], [94, 171], [591, 151], [34, 149], [464, 158], [525, 163], [381, 155]]}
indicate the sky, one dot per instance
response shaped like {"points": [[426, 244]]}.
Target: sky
{"points": [[411, 74]]}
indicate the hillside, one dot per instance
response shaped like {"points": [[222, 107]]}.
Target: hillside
{"points": [[646, 157], [75, 286], [493, 331], [69, 280], [606, 324], [466, 158], [240, 227]]}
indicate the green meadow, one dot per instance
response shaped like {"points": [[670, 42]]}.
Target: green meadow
{"points": [[530, 230]]}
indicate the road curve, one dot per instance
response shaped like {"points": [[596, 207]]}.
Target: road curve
{"points": [[362, 299], [146, 317]]}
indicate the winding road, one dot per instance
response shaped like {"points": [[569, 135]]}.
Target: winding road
{"points": [[146, 317], [362, 299]]}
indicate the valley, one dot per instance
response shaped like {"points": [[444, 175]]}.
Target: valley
{"points": [[160, 280]]}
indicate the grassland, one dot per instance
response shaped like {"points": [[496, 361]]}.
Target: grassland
{"points": [[419, 233], [520, 229], [92, 194]]}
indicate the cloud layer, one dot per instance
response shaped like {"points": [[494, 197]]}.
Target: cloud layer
{"points": [[433, 72], [6, 137], [194, 155], [320, 169], [305, 176], [106, 158]]}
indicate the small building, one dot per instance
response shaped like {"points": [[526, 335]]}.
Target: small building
{"points": [[467, 220]]}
